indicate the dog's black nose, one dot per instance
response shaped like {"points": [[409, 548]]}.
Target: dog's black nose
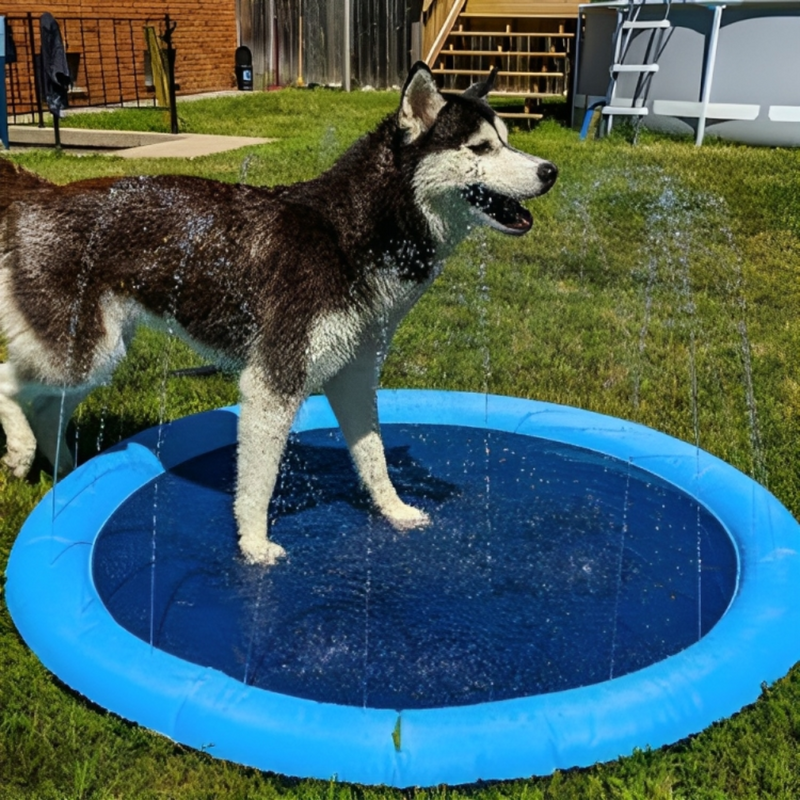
{"points": [[547, 173]]}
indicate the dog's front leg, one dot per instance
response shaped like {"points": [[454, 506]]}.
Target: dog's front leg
{"points": [[264, 423], [351, 393], [20, 439]]}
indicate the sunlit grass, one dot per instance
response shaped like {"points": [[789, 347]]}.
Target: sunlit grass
{"points": [[650, 268]]}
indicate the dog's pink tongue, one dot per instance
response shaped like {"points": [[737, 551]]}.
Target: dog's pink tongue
{"points": [[523, 223]]}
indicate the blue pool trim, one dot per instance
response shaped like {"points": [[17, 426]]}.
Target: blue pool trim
{"points": [[56, 608]]}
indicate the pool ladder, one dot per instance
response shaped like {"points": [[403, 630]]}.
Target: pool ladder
{"points": [[629, 22]]}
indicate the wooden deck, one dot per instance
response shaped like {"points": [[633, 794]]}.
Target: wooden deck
{"points": [[521, 9]]}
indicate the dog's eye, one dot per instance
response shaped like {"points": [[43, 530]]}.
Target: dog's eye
{"points": [[481, 149]]}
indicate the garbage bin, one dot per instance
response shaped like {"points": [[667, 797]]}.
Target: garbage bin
{"points": [[244, 69]]}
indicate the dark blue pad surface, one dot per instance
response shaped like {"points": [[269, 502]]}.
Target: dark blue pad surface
{"points": [[546, 567]]}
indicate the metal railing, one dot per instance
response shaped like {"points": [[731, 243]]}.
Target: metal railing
{"points": [[106, 56]]}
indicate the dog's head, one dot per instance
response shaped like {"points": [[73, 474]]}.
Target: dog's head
{"points": [[464, 162]]}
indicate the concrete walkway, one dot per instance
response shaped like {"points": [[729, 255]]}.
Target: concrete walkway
{"points": [[129, 144]]}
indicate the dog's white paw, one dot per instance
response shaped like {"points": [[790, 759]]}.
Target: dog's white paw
{"points": [[261, 551], [405, 517], [19, 462]]}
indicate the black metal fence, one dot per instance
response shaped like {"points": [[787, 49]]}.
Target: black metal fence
{"points": [[107, 58]]}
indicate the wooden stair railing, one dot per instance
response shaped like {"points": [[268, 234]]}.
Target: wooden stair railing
{"points": [[438, 19]]}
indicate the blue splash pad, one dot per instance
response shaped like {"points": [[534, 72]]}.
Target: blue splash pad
{"points": [[546, 567], [571, 600]]}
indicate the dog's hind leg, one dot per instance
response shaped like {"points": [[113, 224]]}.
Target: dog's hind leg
{"points": [[351, 393], [20, 439], [264, 423]]}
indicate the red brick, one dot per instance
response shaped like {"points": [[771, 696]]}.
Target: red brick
{"points": [[205, 40]]}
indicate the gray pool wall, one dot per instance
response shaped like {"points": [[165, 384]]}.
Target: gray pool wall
{"points": [[748, 90]]}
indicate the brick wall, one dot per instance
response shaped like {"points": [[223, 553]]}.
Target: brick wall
{"points": [[108, 37]]}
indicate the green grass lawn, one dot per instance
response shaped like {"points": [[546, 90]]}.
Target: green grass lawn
{"points": [[661, 283]]}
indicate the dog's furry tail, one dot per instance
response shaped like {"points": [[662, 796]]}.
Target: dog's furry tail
{"points": [[16, 183]]}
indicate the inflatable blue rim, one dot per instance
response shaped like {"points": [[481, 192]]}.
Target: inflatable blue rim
{"points": [[57, 610]]}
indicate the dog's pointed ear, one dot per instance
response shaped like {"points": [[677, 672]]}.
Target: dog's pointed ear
{"points": [[479, 90], [420, 102]]}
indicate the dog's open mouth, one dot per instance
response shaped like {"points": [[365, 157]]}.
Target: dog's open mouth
{"points": [[505, 213]]}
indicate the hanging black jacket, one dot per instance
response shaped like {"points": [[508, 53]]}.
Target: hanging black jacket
{"points": [[11, 47], [56, 79]]}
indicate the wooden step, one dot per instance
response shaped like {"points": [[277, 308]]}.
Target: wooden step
{"points": [[510, 53], [518, 8], [511, 115], [500, 74], [520, 95], [548, 10], [521, 34]]}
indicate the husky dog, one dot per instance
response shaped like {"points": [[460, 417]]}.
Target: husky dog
{"points": [[297, 288]]}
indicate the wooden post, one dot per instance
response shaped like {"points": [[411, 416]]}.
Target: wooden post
{"points": [[300, 55], [169, 28], [346, 47], [276, 51]]}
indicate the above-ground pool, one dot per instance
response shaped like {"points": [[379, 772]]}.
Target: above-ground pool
{"points": [[724, 69], [586, 586]]}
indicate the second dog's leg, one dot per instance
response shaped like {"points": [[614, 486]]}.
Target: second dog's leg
{"points": [[264, 425], [351, 394], [20, 441]]}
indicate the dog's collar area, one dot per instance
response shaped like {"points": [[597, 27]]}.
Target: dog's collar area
{"points": [[508, 215]]}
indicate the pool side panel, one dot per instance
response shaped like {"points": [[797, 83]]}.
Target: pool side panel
{"points": [[754, 96]]}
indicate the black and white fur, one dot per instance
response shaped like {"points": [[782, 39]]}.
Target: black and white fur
{"points": [[297, 289]]}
